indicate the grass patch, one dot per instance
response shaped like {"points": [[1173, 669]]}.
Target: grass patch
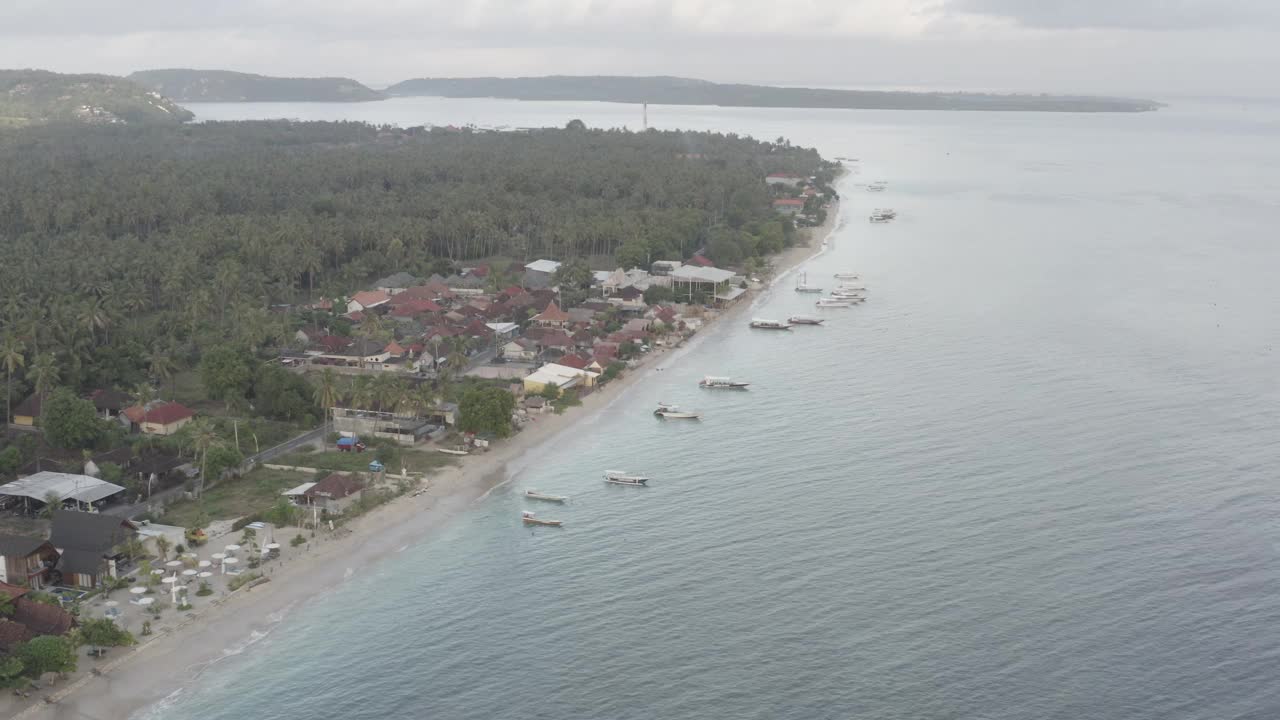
{"points": [[255, 492], [414, 460]]}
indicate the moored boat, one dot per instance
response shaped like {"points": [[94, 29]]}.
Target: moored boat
{"points": [[529, 519], [846, 276], [621, 477], [535, 495], [762, 324], [722, 383], [677, 415], [805, 320], [803, 285], [833, 303]]}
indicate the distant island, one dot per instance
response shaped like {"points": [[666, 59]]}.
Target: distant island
{"points": [[226, 86], [684, 91], [33, 97]]}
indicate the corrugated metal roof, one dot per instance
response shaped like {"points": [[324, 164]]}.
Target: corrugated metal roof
{"points": [[68, 487]]}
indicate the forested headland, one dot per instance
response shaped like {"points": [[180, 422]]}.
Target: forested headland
{"points": [[226, 86], [128, 248], [29, 97], [686, 91]]}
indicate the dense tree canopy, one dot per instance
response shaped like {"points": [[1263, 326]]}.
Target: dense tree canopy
{"points": [[486, 409], [132, 251], [70, 422]]}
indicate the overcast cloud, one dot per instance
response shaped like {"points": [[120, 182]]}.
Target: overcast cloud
{"points": [[1149, 47]]}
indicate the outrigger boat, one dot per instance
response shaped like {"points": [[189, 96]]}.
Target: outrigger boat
{"points": [[620, 477], [846, 276], [535, 495], [805, 320], [529, 519], [804, 287], [833, 303], [677, 415], [722, 383], [761, 324]]}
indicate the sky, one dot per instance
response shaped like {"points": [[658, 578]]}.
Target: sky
{"points": [[1150, 48]]}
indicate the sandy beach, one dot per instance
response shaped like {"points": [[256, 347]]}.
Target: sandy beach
{"points": [[160, 667]]}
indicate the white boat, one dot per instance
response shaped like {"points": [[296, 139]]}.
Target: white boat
{"points": [[447, 451], [851, 288], [852, 299], [535, 495], [846, 276], [722, 383], [762, 324], [621, 477], [879, 218], [677, 415], [833, 303], [529, 519], [805, 320], [665, 407], [804, 287]]}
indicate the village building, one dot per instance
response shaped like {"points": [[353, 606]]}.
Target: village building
{"points": [[539, 273], [663, 268], [395, 283], [367, 300], [334, 494], [89, 545], [781, 178], [503, 331], [790, 206], [553, 316], [159, 418], [403, 429], [30, 618], [110, 403], [520, 350], [26, 560], [560, 376], [27, 412], [41, 486]]}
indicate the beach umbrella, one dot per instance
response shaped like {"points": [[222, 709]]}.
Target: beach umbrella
{"points": [[137, 590], [218, 557], [170, 580], [228, 561], [111, 603], [204, 574], [146, 601], [189, 573], [157, 571], [273, 546], [173, 563], [203, 564], [231, 548]]}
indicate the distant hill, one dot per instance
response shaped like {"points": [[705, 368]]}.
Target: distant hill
{"points": [[683, 91], [37, 96], [227, 86]]}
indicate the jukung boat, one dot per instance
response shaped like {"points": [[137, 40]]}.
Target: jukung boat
{"points": [[846, 276], [805, 320], [535, 495], [677, 415], [722, 383], [529, 519], [833, 303], [762, 324], [803, 285], [621, 477]]}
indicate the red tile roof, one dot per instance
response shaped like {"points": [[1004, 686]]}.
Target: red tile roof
{"points": [[702, 260], [333, 343], [168, 413], [553, 313], [337, 485], [788, 202], [556, 339], [370, 298], [394, 348], [572, 361], [414, 307]]}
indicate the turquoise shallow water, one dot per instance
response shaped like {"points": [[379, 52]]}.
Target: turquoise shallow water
{"points": [[1034, 477]]}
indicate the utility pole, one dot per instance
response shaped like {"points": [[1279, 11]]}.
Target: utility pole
{"points": [[646, 116]]}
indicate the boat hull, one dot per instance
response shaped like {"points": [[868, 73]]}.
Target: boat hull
{"points": [[546, 523], [545, 498]]}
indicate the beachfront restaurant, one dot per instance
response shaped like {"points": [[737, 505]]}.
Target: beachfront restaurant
{"points": [[707, 282], [35, 490]]}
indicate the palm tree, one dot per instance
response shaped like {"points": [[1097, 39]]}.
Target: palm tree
{"points": [[326, 395], [161, 367], [11, 356], [142, 394], [44, 376], [362, 395], [386, 390], [203, 437], [420, 399]]}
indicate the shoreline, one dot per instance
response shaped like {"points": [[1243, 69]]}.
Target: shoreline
{"points": [[145, 676]]}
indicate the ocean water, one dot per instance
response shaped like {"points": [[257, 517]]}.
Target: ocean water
{"points": [[1034, 477]]}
